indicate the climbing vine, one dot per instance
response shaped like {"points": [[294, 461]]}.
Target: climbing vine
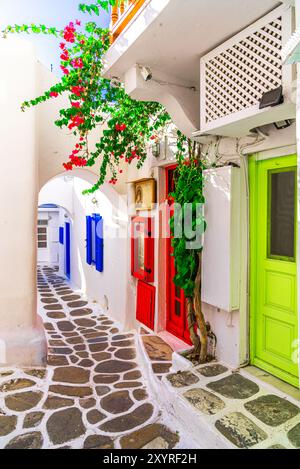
{"points": [[125, 126], [187, 237]]}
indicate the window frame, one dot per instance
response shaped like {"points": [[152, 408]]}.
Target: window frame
{"points": [[94, 242], [269, 221]]}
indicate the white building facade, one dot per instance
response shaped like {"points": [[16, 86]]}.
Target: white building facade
{"points": [[222, 79]]}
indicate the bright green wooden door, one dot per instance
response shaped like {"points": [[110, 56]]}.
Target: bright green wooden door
{"points": [[273, 296]]}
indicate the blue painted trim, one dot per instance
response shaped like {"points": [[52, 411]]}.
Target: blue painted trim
{"points": [[68, 250], [61, 235], [48, 206], [89, 251], [99, 243]]}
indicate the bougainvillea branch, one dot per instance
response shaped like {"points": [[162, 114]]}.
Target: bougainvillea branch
{"points": [[125, 126]]}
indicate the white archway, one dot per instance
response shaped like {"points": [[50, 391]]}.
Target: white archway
{"points": [[108, 288]]}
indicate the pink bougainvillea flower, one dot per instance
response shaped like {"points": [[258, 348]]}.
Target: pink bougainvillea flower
{"points": [[53, 94], [69, 33], [77, 63], [77, 90], [68, 166], [75, 104], [120, 127], [69, 37], [65, 70], [78, 161], [78, 22], [65, 56], [76, 121]]}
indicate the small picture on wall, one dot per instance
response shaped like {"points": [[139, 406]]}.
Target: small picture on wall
{"points": [[145, 194]]}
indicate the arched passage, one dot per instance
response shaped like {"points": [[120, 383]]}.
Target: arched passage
{"points": [[106, 287]]}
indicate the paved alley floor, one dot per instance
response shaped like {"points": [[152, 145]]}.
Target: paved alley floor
{"points": [[91, 394]]}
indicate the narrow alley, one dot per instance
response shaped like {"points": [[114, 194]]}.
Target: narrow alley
{"points": [[91, 394]]}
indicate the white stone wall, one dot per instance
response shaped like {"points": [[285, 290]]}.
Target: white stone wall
{"points": [[21, 338]]}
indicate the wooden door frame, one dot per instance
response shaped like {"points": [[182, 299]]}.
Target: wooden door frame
{"points": [[168, 169], [253, 199]]}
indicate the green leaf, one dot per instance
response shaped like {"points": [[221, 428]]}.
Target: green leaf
{"points": [[95, 9]]}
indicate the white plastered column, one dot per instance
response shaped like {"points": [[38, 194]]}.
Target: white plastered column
{"points": [[22, 340]]}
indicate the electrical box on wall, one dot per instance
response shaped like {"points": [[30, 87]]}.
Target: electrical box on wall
{"points": [[235, 76], [221, 253]]}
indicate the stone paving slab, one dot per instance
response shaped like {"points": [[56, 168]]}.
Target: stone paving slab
{"points": [[272, 410], [234, 386], [204, 401], [240, 409], [182, 379], [240, 430], [294, 436], [92, 392]]}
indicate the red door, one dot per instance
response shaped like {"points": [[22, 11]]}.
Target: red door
{"points": [[176, 307], [145, 304]]}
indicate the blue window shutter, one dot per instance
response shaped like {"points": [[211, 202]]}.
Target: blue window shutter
{"points": [[68, 250], [89, 240], [99, 242], [61, 235]]}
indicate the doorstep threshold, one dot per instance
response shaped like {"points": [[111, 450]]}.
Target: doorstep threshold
{"points": [[272, 381], [174, 342]]}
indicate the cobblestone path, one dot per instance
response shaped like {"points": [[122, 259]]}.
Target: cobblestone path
{"points": [[91, 394]]}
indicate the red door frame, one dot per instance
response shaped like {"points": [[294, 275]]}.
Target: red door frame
{"points": [[176, 325]]}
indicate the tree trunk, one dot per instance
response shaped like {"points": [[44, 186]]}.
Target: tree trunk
{"points": [[191, 325], [198, 312]]}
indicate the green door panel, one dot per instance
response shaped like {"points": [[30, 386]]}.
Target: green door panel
{"points": [[273, 285]]}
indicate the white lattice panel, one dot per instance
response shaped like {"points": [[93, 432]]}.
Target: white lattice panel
{"points": [[235, 75]]}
